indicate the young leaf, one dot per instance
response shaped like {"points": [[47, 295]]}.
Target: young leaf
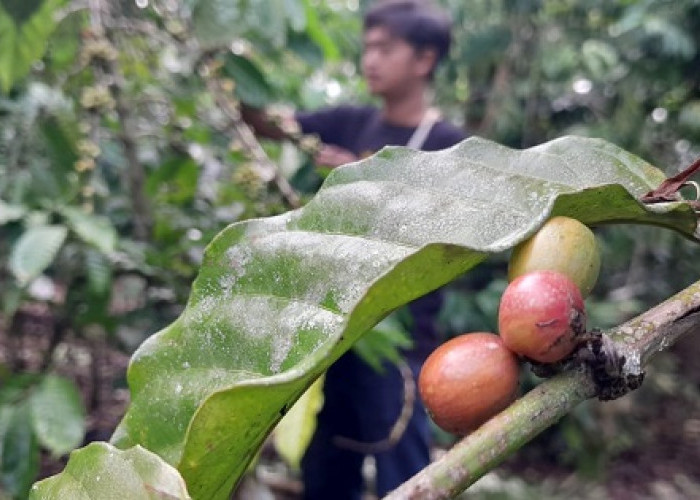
{"points": [[277, 300], [294, 432], [35, 251], [58, 415], [101, 471]]}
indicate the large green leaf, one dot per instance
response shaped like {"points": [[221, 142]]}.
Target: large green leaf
{"points": [[25, 27], [35, 251], [101, 471], [277, 300], [58, 415]]}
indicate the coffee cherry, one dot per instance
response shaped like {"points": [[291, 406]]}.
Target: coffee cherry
{"points": [[564, 245], [540, 316], [467, 380]]}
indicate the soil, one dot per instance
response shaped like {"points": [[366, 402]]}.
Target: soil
{"points": [[660, 424]]}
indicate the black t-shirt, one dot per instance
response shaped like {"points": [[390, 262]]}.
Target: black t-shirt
{"points": [[363, 131]]}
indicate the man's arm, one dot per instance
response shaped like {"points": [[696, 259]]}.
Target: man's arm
{"points": [[269, 127], [287, 127], [333, 156]]}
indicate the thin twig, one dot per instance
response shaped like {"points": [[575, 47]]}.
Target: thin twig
{"points": [[267, 168]]}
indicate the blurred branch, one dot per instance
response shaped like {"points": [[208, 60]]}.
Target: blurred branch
{"points": [[634, 344], [108, 70], [267, 169]]}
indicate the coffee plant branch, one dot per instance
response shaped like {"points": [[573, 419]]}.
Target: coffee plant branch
{"points": [[633, 344]]}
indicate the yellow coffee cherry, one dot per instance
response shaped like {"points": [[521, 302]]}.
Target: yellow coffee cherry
{"points": [[564, 245]]}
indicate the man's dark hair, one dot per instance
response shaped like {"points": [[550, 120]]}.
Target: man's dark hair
{"points": [[418, 22]]}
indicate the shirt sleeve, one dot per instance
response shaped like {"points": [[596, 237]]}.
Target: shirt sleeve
{"points": [[324, 122]]}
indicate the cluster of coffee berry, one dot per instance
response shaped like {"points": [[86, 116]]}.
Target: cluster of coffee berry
{"points": [[541, 318]]}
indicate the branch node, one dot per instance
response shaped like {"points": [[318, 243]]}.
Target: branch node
{"points": [[611, 371], [609, 368]]}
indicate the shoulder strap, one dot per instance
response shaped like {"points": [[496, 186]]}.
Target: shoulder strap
{"points": [[423, 129]]}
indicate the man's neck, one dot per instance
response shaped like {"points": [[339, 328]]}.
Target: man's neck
{"points": [[405, 110]]}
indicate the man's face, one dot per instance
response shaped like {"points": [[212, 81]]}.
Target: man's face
{"points": [[389, 63]]}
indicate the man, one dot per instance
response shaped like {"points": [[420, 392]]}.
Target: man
{"points": [[403, 42]]}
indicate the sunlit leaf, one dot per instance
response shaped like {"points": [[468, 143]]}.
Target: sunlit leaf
{"points": [[277, 300], [101, 471], [58, 415], [35, 251]]}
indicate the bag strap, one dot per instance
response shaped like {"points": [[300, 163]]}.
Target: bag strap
{"points": [[423, 129]]}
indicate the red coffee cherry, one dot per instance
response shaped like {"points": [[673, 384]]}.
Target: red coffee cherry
{"points": [[467, 380], [541, 315]]}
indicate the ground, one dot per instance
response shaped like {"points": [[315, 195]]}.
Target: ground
{"points": [[643, 446]]}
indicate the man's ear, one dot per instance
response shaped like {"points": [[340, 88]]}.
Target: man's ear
{"points": [[426, 59]]}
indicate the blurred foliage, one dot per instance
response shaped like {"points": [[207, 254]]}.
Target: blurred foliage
{"points": [[120, 159], [118, 162]]}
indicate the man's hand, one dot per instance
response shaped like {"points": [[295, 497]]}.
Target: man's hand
{"points": [[333, 156]]}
